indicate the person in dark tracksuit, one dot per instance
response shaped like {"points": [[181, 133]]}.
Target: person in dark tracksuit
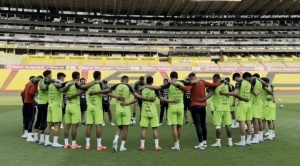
{"points": [[83, 104], [163, 106]]}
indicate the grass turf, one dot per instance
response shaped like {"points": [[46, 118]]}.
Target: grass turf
{"points": [[282, 151]]}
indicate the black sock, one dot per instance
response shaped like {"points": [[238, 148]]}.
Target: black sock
{"points": [[133, 115]]}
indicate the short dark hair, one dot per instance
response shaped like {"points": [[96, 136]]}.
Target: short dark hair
{"points": [[60, 74], [149, 80], [256, 75], [227, 79], [236, 75], [166, 79], [246, 75], [96, 74], [142, 78], [192, 75], [174, 74], [217, 76], [82, 79], [124, 77], [266, 80], [40, 77], [75, 75], [105, 81], [31, 77], [46, 73]]}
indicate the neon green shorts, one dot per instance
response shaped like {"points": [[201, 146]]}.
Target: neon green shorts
{"points": [[175, 116], [73, 114], [222, 117], [257, 110], [153, 121], [54, 113], [94, 115], [123, 115], [269, 112], [243, 112], [212, 106]]}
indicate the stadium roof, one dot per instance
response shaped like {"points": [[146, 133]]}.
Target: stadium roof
{"points": [[163, 7]]}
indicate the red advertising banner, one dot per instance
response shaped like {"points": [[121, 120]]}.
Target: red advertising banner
{"points": [[153, 68]]}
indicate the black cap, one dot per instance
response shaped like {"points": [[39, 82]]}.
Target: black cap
{"points": [[142, 78], [104, 81]]}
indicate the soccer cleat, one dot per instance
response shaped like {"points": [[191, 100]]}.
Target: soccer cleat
{"points": [[67, 146], [75, 147], [115, 146], [142, 148], [122, 149], [42, 142], [201, 147], [234, 126], [266, 134], [47, 144], [253, 141], [205, 144], [158, 148], [216, 145], [103, 124], [269, 138], [248, 143], [57, 146], [30, 139], [61, 126], [87, 147], [160, 124], [36, 141], [24, 136], [83, 124], [187, 123], [112, 124], [101, 148], [52, 128], [230, 144], [240, 144], [175, 148]]}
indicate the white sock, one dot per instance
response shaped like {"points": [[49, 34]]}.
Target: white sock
{"points": [[142, 143], [73, 143], [249, 138], [55, 138], [123, 144], [271, 133], [242, 139], [99, 142], [47, 138], [219, 141], [177, 144], [204, 142], [29, 135], [88, 141], [66, 141], [256, 137], [261, 135], [229, 140], [42, 137], [26, 132], [116, 138], [36, 136], [156, 142], [233, 122]]}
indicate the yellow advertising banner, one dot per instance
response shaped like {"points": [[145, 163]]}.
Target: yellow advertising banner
{"points": [[8, 46], [202, 59], [260, 59], [164, 50]]}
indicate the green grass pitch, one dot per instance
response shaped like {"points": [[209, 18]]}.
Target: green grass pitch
{"points": [[284, 150]]}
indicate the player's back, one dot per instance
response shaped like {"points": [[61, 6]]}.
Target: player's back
{"points": [[94, 100], [266, 96], [175, 93], [245, 90], [149, 108], [221, 101], [123, 90], [42, 95], [73, 90], [55, 97], [257, 87]]}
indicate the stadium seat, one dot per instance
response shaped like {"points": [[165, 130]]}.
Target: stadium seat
{"points": [[273, 64], [162, 64], [10, 59], [4, 74], [207, 64], [292, 64], [251, 64], [229, 64]]}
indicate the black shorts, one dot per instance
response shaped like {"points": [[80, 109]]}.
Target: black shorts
{"points": [[140, 102], [106, 108], [83, 108], [187, 106], [64, 110]]}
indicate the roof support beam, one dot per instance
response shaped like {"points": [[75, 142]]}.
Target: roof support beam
{"points": [[256, 7], [282, 8], [188, 7], [228, 7], [131, 7], [146, 7], [269, 7], [160, 7], [174, 7]]}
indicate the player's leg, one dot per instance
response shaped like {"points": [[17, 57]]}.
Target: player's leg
{"points": [[144, 124], [271, 129], [63, 117], [30, 115], [89, 126], [217, 120], [49, 125], [126, 122], [196, 118], [119, 129], [98, 118], [256, 131], [154, 122], [203, 124], [180, 116], [234, 124], [83, 116], [43, 123], [134, 110], [124, 137], [109, 116], [67, 126], [186, 117], [37, 124], [172, 117], [249, 117], [140, 107], [227, 121], [75, 120], [56, 134], [241, 117]]}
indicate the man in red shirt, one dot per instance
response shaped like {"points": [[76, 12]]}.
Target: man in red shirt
{"points": [[29, 103], [198, 105]]}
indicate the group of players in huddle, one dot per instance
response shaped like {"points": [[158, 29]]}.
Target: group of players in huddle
{"points": [[252, 97]]}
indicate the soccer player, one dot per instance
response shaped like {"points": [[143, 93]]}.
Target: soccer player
{"points": [[149, 113], [73, 115], [95, 111], [187, 105], [163, 105], [29, 104], [269, 109], [232, 105], [176, 110], [221, 111], [257, 106], [41, 122], [106, 104], [137, 87], [83, 105], [198, 106], [210, 92], [25, 132], [123, 112], [54, 114], [242, 92]]}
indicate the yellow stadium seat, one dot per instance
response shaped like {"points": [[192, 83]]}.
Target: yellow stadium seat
{"points": [[286, 79]]}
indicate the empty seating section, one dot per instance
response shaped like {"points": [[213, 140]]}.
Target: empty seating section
{"points": [[292, 64], [251, 64], [92, 63], [115, 63], [4, 75], [182, 64], [10, 59], [229, 64], [291, 81], [137, 63], [162, 64], [274, 64], [207, 64]]}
